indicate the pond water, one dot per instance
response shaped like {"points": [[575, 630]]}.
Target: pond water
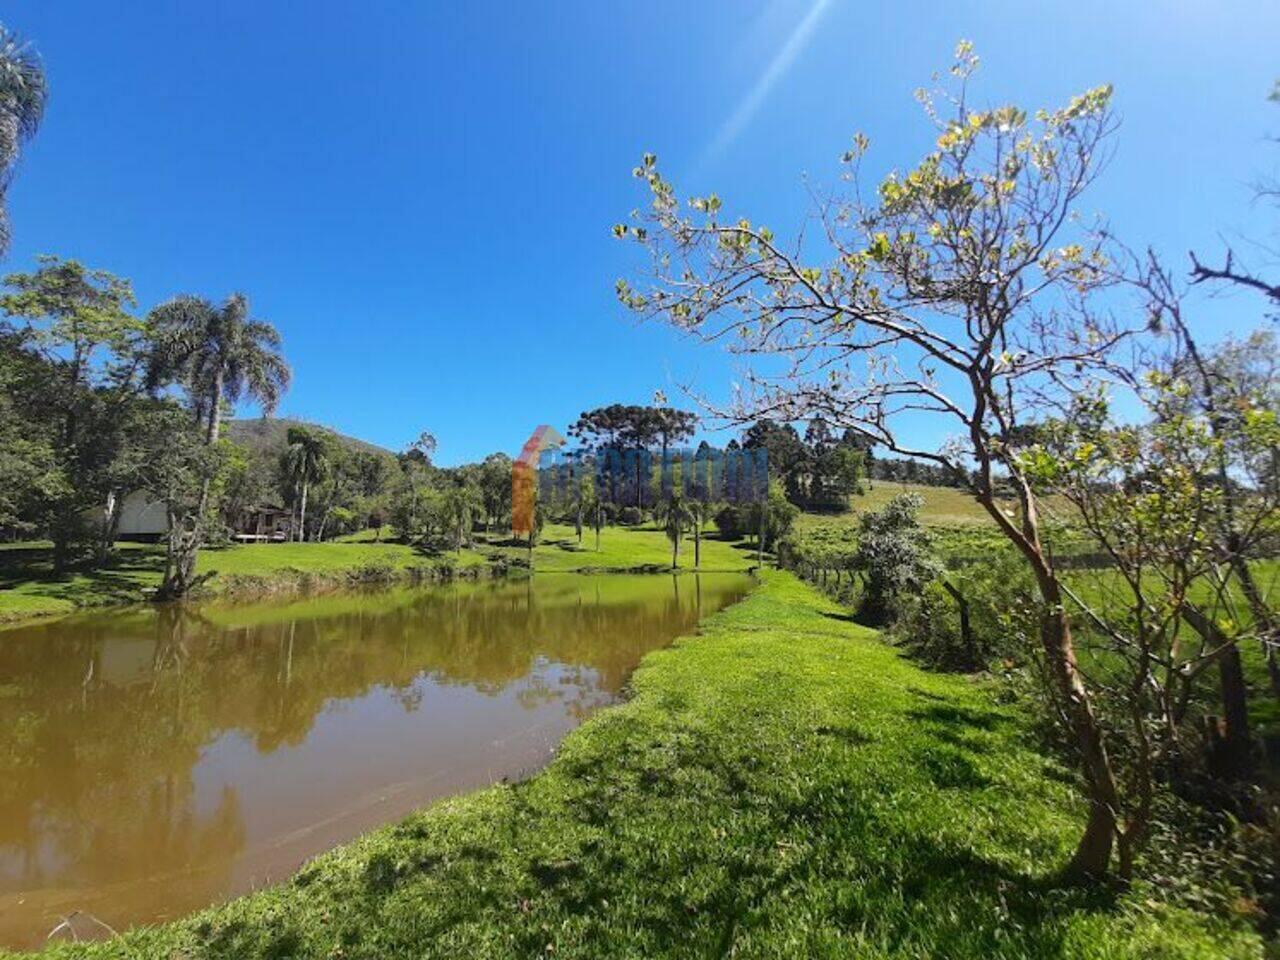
{"points": [[155, 760]]}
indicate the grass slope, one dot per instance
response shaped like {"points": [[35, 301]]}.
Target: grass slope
{"points": [[782, 785], [943, 506]]}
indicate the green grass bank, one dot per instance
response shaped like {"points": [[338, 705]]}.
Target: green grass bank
{"points": [[28, 588], [782, 784]]}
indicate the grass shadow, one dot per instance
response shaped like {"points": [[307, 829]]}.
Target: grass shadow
{"points": [[841, 617], [946, 715], [123, 578]]}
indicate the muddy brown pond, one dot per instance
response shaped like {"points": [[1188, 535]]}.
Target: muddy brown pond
{"points": [[157, 760]]}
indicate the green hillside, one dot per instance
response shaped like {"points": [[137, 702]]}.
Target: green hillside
{"points": [[267, 435]]}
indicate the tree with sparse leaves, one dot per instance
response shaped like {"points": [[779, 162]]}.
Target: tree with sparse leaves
{"points": [[959, 289]]}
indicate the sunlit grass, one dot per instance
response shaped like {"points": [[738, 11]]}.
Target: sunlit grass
{"points": [[782, 784], [28, 588], [628, 547]]}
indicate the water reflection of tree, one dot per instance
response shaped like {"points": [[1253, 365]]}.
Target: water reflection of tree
{"points": [[104, 718], [97, 788]]}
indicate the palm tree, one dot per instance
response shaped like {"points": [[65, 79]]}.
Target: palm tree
{"points": [[219, 354], [698, 516], [306, 460], [584, 493], [591, 508], [22, 97], [216, 354], [675, 515]]}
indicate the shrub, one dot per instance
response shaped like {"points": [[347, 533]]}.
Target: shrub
{"points": [[895, 558], [730, 521], [997, 598], [631, 516], [779, 515]]}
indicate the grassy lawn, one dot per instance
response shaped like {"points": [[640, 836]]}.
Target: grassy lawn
{"points": [[624, 547], [28, 588], [781, 785], [264, 559]]}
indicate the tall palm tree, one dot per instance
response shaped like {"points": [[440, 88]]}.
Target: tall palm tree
{"points": [[306, 460], [218, 354], [697, 518], [22, 98], [590, 509], [676, 515]]}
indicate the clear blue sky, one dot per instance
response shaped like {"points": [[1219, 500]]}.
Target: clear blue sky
{"points": [[419, 195]]}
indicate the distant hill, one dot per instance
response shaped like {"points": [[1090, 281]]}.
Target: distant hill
{"points": [[267, 436]]}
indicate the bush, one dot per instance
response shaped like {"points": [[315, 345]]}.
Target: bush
{"points": [[895, 559], [1002, 609], [779, 515], [731, 522], [631, 516]]}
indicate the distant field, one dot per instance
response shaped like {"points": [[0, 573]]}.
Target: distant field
{"points": [[942, 505], [963, 529]]}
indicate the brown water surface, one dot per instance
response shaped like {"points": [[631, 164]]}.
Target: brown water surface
{"points": [[156, 760]]}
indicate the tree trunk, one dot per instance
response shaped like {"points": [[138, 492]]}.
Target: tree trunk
{"points": [[697, 542], [302, 515], [180, 556], [61, 549], [1263, 616], [110, 527], [966, 629], [1236, 755], [1093, 855], [186, 534], [1229, 740], [214, 425]]}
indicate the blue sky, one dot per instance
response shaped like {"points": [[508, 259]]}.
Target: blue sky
{"points": [[420, 195]]}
